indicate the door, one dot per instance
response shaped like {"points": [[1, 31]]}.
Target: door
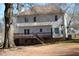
{"points": [[26, 31]]}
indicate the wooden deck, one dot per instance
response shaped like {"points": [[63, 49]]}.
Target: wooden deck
{"points": [[30, 39], [22, 39], [27, 36]]}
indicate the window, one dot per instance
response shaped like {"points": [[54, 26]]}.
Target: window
{"points": [[34, 19], [26, 19], [40, 30], [26, 31], [56, 17], [56, 30], [61, 31]]}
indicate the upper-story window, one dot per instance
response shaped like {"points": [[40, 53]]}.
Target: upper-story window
{"points": [[34, 19], [26, 19], [56, 17]]}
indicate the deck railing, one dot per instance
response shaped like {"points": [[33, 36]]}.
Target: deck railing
{"points": [[31, 35], [39, 24], [34, 24]]}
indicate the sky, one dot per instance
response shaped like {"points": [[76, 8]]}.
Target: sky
{"points": [[2, 7]]}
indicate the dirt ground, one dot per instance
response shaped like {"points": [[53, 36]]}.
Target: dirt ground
{"points": [[60, 49]]}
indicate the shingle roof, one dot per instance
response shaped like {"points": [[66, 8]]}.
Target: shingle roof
{"points": [[41, 10]]}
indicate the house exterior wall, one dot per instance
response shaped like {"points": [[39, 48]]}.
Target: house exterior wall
{"points": [[41, 18], [45, 29]]}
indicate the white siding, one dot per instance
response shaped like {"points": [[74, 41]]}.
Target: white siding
{"points": [[33, 29], [20, 20], [45, 18], [39, 18]]}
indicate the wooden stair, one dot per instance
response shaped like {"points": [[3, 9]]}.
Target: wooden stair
{"points": [[38, 38]]}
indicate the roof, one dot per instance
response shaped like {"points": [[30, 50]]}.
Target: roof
{"points": [[37, 10]]}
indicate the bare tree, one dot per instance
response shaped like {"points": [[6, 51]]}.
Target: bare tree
{"points": [[72, 11], [8, 38], [9, 28]]}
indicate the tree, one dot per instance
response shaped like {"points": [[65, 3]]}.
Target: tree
{"points": [[8, 37], [9, 29], [65, 7], [72, 12]]}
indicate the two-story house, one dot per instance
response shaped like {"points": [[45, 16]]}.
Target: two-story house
{"points": [[39, 21]]}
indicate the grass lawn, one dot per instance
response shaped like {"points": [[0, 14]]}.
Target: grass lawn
{"points": [[65, 41]]}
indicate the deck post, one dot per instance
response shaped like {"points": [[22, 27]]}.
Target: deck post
{"points": [[51, 33]]}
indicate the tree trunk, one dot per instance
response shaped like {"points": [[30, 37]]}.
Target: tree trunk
{"points": [[8, 37]]}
